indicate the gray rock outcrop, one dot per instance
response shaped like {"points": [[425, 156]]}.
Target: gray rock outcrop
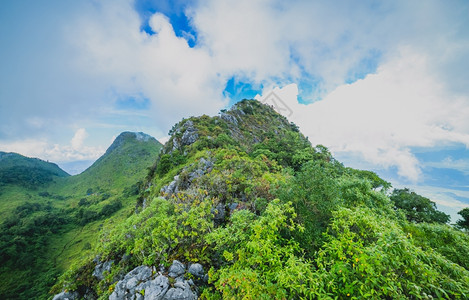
{"points": [[180, 291], [66, 296], [176, 269], [126, 288], [197, 270], [190, 135], [157, 288], [138, 284], [101, 268]]}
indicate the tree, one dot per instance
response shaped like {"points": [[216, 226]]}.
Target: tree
{"points": [[464, 223], [417, 208]]}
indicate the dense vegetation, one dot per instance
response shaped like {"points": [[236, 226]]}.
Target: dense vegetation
{"points": [[271, 217], [27, 172], [50, 219]]}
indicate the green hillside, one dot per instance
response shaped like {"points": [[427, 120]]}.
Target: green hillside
{"points": [[251, 210], [27, 172], [47, 225]]}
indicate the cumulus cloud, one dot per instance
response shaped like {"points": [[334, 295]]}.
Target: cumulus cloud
{"points": [[324, 43], [381, 117], [57, 153], [178, 80], [78, 138]]}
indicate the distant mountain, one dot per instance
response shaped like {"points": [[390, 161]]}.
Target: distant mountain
{"points": [[124, 163], [50, 220], [27, 172]]}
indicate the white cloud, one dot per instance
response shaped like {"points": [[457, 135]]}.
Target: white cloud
{"points": [[381, 117], [78, 58], [78, 138], [178, 80], [57, 153]]}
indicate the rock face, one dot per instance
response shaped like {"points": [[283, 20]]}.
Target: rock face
{"points": [[180, 291], [156, 288], [138, 284], [197, 170], [190, 135]]}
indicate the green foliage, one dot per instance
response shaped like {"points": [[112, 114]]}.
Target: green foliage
{"points": [[375, 181], [359, 192], [24, 238], [169, 161], [451, 243], [26, 176], [314, 192], [258, 262], [417, 208], [289, 149], [27, 232], [163, 231], [464, 223], [236, 176], [369, 256]]}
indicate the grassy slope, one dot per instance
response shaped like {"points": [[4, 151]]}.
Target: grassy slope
{"points": [[110, 178], [9, 160]]}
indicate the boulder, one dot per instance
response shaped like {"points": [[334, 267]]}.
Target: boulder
{"points": [[197, 270], [177, 269]]}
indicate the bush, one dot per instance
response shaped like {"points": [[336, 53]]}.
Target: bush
{"points": [[257, 261], [369, 256]]}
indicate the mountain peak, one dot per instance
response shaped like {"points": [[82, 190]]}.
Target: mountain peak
{"points": [[126, 137], [128, 147]]}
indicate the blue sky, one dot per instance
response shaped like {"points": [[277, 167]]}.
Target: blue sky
{"points": [[382, 84]]}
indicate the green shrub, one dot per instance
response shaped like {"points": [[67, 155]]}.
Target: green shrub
{"points": [[257, 261], [369, 256]]}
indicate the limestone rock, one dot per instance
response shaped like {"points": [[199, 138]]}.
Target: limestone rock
{"points": [[66, 296], [125, 288], [101, 268], [176, 269], [197, 270], [180, 291], [157, 288]]}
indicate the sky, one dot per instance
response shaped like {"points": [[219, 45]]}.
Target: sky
{"points": [[382, 84]]}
